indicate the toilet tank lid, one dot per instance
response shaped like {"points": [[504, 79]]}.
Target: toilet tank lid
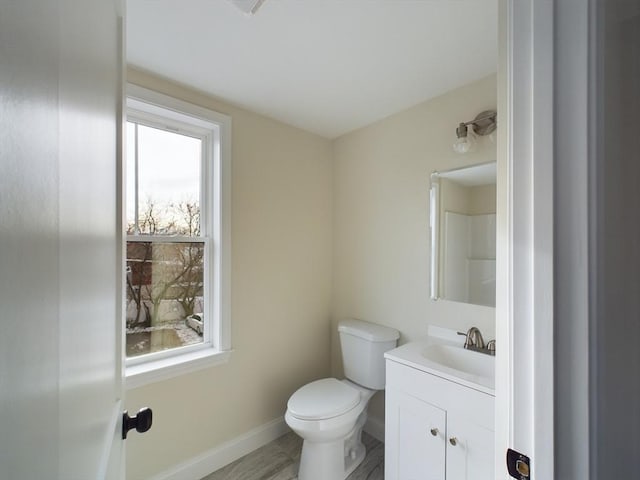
{"points": [[368, 331]]}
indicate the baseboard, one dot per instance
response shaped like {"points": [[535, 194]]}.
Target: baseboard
{"points": [[375, 428], [222, 455]]}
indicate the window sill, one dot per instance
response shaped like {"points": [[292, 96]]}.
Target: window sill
{"points": [[166, 368]]}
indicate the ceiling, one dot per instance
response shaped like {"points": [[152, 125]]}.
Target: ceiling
{"points": [[326, 66]]}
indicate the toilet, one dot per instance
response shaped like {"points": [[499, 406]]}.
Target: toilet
{"points": [[329, 414]]}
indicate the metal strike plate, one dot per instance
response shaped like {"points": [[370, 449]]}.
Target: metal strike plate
{"points": [[519, 465]]}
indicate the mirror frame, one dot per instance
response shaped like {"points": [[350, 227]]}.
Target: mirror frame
{"points": [[434, 218]]}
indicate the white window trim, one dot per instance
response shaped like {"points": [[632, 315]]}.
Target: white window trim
{"points": [[216, 347]]}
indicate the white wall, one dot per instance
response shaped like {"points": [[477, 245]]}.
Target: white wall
{"points": [[381, 205], [281, 277]]}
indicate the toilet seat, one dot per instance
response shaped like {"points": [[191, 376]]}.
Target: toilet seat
{"points": [[323, 399]]}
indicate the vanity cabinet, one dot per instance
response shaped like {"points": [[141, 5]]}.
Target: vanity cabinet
{"points": [[435, 428]]}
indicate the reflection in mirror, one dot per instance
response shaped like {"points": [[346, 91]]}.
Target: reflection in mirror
{"points": [[463, 234]]}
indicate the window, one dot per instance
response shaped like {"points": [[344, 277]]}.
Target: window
{"points": [[177, 236]]}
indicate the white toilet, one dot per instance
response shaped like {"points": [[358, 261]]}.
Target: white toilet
{"points": [[329, 414]]}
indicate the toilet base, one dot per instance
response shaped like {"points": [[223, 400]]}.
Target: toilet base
{"points": [[333, 460]]}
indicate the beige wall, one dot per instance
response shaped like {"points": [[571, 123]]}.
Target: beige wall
{"points": [[381, 204], [466, 200], [307, 214], [281, 291], [482, 200], [453, 198]]}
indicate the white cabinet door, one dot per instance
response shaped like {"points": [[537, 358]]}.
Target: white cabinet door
{"points": [[469, 450], [415, 439]]}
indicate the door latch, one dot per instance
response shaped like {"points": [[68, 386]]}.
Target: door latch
{"points": [[141, 421], [518, 465]]}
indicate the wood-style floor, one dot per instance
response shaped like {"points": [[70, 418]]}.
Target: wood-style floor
{"points": [[279, 459]]}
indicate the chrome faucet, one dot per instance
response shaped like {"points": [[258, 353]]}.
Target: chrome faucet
{"points": [[474, 338], [474, 341]]}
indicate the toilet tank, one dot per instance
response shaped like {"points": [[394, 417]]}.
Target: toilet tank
{"points": [[363, 347]]}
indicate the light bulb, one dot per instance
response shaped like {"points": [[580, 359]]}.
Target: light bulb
{"points": [[462, 145], [465, 140]]}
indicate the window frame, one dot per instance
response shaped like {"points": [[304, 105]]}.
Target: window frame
{"points": [[157, 110]]}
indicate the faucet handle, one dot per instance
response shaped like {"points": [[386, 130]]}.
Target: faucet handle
{"points": [[466, 338], [491, 347]]}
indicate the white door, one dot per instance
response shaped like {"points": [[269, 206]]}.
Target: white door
{"points": [[60, 346]]}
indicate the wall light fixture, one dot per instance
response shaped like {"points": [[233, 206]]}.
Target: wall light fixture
{"points": [[250, 7], [484, 124]]}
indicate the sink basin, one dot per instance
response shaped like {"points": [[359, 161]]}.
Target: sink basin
{"points": [[462, 360], [443, 355]]}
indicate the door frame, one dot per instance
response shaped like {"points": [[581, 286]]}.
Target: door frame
{"points": [[524, 301]]}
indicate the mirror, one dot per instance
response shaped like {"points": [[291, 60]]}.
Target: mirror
{"points": [[463, 234]]}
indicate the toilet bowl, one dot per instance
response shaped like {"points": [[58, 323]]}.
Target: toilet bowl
{"points": [[329, 414], [331, 428]]}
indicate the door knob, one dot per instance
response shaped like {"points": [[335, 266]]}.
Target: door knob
{"points": [[141, 421]]}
